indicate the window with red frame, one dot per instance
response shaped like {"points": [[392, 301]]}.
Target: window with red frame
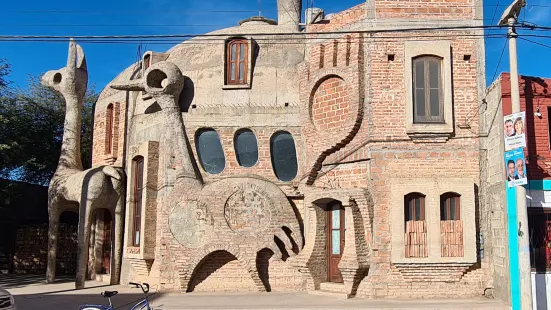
{"points": [[237, 66], [138, 190], [110, 129]]}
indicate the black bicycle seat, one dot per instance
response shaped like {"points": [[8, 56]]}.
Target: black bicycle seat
{"points": [[108, 294]]}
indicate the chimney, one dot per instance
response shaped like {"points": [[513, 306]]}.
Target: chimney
{"points": [[288, 13]]}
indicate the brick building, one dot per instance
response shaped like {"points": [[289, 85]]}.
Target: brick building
{"points": [[535, 100], [337, 158]]}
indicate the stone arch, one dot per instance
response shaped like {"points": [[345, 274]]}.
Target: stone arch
{"points": [[329, 96], [331, 142], [195, 264]]}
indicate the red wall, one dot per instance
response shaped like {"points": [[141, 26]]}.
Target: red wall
{"points": [[534, 92]]}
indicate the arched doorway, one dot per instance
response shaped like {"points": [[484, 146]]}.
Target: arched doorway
{"points": [[335, 228], [101, 245]]}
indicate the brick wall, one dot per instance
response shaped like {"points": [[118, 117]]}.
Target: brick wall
{"points": [[365, 150], [31, 249]]}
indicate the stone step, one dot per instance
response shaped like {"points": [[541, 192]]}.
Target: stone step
{"points": [[333, 287], [329, 293], [105, 278]]}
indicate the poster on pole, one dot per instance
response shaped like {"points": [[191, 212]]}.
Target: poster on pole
{"points": [[515, 167], [514, 131]]}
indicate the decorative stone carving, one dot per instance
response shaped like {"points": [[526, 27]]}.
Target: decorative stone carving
{"points": [[247, 210], [191, 224]]}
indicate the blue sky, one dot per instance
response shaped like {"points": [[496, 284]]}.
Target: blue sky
{"points": [[133, 17]]}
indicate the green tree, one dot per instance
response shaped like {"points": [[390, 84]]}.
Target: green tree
{"points": [[31, 131]]}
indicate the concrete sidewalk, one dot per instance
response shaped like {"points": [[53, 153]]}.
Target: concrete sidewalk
{"points": [[62, 295]]}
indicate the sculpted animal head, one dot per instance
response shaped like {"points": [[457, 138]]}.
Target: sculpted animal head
{"points": [[72, 80], [163, 81]]}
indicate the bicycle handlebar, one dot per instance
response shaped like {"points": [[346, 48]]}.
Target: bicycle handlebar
{"points": [[145, 290]]}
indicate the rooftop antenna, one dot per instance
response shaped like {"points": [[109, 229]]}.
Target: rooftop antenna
{"points": [[259, 7]]}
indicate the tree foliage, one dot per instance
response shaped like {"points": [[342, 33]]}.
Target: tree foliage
{"points": [[31, 131]]}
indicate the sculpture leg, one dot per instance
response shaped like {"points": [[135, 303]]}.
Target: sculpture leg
{"points": [[116, 260], [53, 233], [83, 243]]}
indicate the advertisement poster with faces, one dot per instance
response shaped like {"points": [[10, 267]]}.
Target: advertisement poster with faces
{"points": [[514, 127], [515, 168]]}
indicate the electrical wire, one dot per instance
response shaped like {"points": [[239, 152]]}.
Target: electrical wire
{"points": [[534, 42], [499, 62], [276, 34]]}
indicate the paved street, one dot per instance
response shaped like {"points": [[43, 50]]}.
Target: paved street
{"points": [[31, 293]]}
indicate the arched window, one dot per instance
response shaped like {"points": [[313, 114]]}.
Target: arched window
{"points": [[237, 65], [416, 244], [450, 207], [246, 148], [109, 129], [284, 156], [209, 151], [428, 97], [451, 226], [137, 167]]}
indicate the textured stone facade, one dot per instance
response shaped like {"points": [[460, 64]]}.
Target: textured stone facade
{"points": [[343, 99]]}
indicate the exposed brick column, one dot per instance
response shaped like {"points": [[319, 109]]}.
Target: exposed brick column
{"points": [[308, 261], [355, 261]]}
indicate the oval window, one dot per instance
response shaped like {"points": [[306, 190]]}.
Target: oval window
{"points": [[284, 156], [209, 151], [246, 148]]}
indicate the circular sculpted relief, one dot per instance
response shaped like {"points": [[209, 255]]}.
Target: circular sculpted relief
{"points": [[247, 210], [191, 224]]}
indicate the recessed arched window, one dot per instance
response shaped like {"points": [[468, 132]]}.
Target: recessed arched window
{"points": [[450, 207], [237, 66], [428, 97], [109, 128], [284, 156], [415, 242], [209, 151], [246, 148], [451, 226], [137, 167]]}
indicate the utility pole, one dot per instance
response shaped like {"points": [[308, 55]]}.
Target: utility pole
{"points": [[509, 18]]}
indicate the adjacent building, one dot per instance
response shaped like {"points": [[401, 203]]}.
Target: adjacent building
{"points": [[340, 156], [535, 100]]}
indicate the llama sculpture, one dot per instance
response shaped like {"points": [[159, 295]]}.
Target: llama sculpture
{"points": [[71, 188]]}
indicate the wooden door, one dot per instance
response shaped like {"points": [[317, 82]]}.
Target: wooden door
{"points": [[106, 251], [335, 240]]}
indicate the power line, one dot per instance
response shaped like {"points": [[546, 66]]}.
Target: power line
{"points": [[152, 11], [499, 62], [276, 34], [538, 43], [278, 40]]}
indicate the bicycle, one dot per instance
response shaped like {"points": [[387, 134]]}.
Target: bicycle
{"points": [[141, 305]]}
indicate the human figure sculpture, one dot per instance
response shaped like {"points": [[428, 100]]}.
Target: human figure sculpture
{"points": [[72, 188]]}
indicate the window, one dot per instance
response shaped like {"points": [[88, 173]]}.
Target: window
{"points": [[450, 207], [138, 191], [427, 85], [209, 151], [451, 227], [284, 156], [237, 66], [246, 148], [416, 244], [109, 129]]}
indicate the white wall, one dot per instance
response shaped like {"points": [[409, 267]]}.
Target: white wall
{"points": [[541, 291]]}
